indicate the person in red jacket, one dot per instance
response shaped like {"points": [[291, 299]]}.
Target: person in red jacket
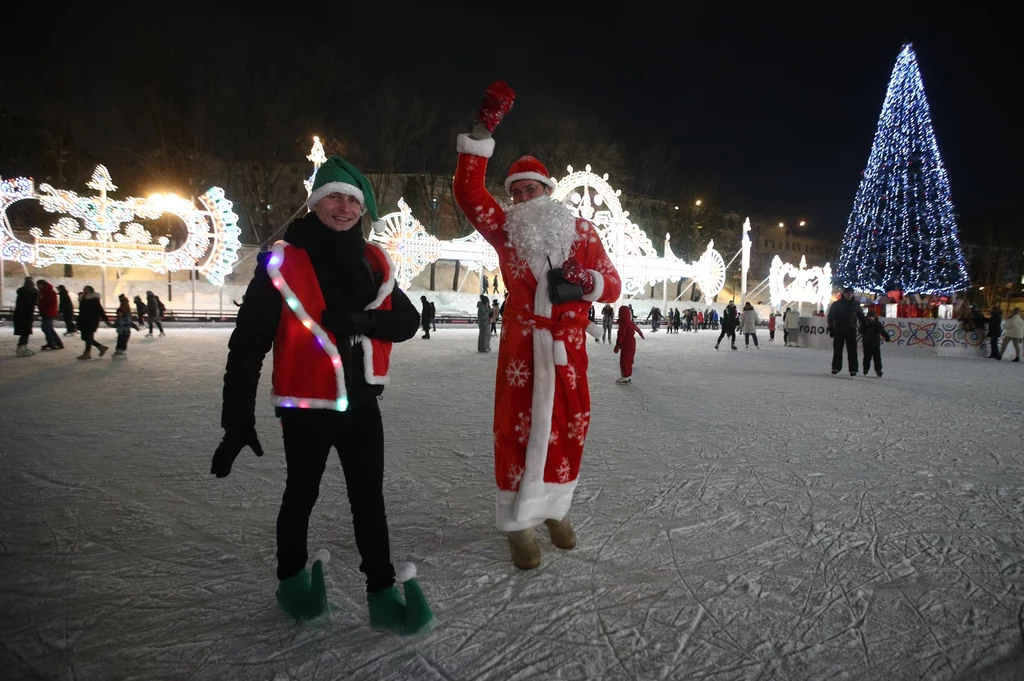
{"points": [[48, 311], [624, 341]]}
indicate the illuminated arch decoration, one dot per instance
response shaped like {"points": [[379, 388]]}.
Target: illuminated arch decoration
{"points": [[788, 284], [408, 244], [103, 232], [630, 249]]}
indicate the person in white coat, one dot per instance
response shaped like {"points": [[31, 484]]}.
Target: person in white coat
{"points": [[790, 326], [1013, 330], [749, 322]]}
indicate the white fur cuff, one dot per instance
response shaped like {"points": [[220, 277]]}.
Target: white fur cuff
{"points": [[598, 287], [468, 145]]}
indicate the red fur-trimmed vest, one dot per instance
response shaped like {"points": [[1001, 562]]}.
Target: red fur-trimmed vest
{"points": [[308, 371]]}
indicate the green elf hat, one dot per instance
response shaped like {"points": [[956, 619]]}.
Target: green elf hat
{"points": [[338, 176]]}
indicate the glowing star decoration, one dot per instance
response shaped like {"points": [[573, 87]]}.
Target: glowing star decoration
{"points": [[408, 244], [788, 284], [630, 249], [318, 158], [103, 232]]}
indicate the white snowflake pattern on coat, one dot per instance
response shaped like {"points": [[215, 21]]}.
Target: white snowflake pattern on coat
{"points": [[570, 372], [578, 426], [524, 427], [518, 373], [564, 470], [553, 437], [518, 267], [515, 476]]}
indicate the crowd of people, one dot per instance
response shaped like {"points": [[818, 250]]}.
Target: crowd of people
{"points": [[53, 301]]}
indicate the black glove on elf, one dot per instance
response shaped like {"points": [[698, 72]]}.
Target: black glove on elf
{"points": [[235, 440]]}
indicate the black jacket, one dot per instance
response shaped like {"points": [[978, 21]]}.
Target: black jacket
{"points": [[729, 318], [845, 317], [874, 332], [347, 283], [25, 310], [66, 307], [90, 312], [995, 324]]}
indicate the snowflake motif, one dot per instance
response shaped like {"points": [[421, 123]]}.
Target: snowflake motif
{"points": [[523, 428], [578, 427], [504, 328], [564, 471], [553, 437], [518, 267], [570, 373], [575, 337], [515, 476], [517, 373]]}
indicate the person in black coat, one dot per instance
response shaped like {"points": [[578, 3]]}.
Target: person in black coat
{"points": [[352, 291], [426, 315], [995, 330], [90, 312], [873, 333], [730, 319], [140, 309], [24, 314], [844, 318], [67, 310]]}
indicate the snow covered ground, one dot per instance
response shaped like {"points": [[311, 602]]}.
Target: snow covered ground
{"points": [[741, 515]]}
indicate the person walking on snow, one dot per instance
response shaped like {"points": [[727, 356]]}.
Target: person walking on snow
{"points": [[483, 323], [844, 318], [730, 320], [326, 301], [90, 312], [1013, 330], [554, 267], [426, 316], [749, 325], [771, 326], [873, 333], [995, 330], [67, 310], [48, 313], [607, 322], [124, 324], [25, 302], [155, 312], [790, 326], [625, 342], [495, 316]]}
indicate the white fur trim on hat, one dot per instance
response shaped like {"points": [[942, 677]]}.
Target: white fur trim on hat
{"points": [[336, 188], [467, 145], [515, 177]]}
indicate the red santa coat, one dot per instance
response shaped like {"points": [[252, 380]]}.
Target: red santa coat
{"points": [[542, 400]]}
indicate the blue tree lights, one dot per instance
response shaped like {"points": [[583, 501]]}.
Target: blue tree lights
{"points": [[902, 232]]}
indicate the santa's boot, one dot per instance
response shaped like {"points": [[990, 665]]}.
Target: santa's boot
{"points": [[562, 534], [409, 616], [525, 552], [304, 597]]}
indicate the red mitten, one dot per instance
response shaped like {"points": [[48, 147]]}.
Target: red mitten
{"points": [[574, 273], [497, 102]]}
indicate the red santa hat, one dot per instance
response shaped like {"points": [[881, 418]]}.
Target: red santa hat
{"points": [[528, 168]]}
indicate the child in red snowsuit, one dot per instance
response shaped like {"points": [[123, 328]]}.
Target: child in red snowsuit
{"points": [[625, 341]]}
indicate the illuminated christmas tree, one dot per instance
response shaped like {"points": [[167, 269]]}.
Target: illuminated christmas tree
{"points": [[902, 232]]}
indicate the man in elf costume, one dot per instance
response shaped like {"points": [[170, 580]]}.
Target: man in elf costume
{"points": [[554, 267], [326, 300]]}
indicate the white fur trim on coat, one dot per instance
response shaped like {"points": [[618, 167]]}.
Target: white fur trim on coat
{"points": [[336, 188], [515, 177], [598, 287], [467, 145], [552, 502], [385, 290]]}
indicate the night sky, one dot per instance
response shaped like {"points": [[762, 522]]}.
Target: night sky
{"points": [[775, 108]]}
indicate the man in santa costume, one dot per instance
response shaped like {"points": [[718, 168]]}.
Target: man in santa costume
{"points": [[554, 267], [327, 302]]}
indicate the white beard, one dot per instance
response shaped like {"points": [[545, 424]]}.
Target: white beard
{"points": [[540, 228]]}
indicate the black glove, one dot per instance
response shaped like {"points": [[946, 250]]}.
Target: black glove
{"points": [[348, 323], [830, 331], [234, 441]]}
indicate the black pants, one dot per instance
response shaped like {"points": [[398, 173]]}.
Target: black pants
{"points": [[23, 338], [494, 328], [358, 436], [850, 341], [727, 332], [69, 321], [89, 338], [875, 354], [995, 347], [158, 324], [747, 337], [426, 329], [771, 334], [122, 341]]}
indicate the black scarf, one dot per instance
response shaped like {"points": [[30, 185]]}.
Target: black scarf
{"points": [[346, 280]]}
